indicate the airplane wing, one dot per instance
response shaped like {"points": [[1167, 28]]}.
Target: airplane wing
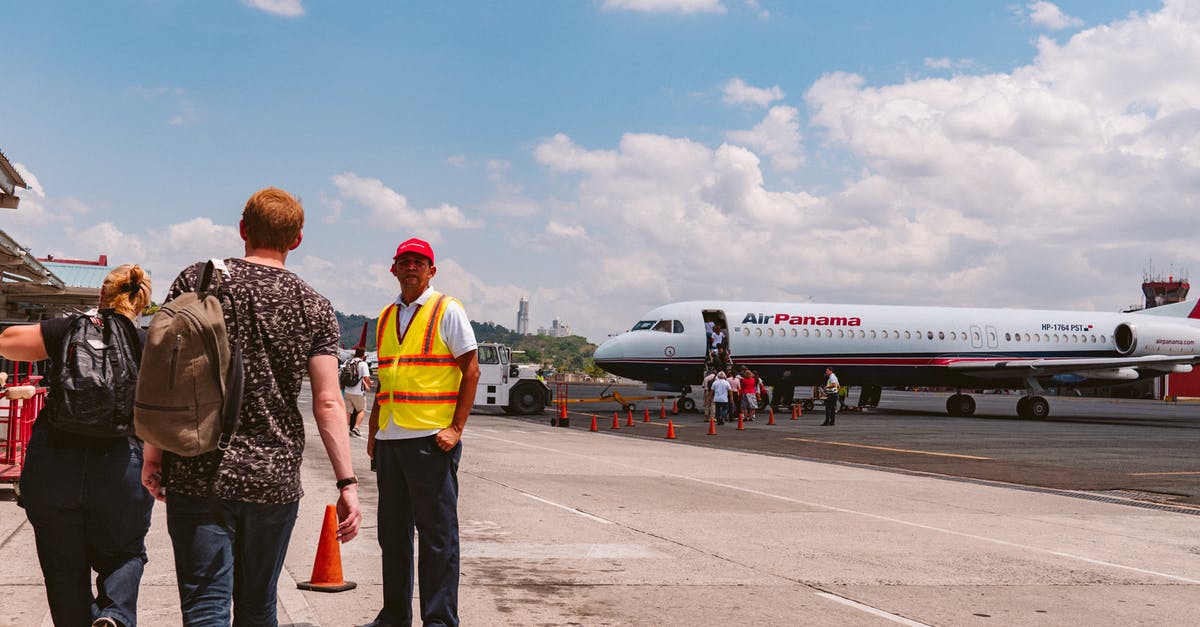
{"points": [[1113, 368]]}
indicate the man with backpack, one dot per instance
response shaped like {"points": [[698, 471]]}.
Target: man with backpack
{"points": [[230, 511], [355, 379]]}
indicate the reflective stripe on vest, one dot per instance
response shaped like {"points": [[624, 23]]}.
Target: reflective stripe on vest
{"points": [[418, 375]]}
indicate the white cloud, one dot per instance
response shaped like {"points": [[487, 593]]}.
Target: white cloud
{"points": [[282, 8], [389, 210], [736, 91], [777, 136], [667, 6], [1047, 15]]}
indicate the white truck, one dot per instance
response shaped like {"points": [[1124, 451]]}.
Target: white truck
{"points": [[515, 388]]}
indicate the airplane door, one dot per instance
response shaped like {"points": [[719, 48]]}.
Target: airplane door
{"points": [[976, 337], [993, 338], [718, 317]]}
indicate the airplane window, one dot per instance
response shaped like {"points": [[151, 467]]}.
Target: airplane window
{"points": [[663, 325], [862, 334], [746, 332], [794, 333], [770, 332], [678, 326], [841, 333], [805, 333], [1036, 337], [643, 325], [1007, 337], [828, 333], [1093, 339], [758, 332], [1055, 338], [978, 338], [964, 335], [872, 334], [929, 335], [1074, 339], [907, 336], [1102, 340], [1017, 336]]}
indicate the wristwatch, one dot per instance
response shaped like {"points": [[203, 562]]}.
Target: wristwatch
{"points": [[351, 480]]}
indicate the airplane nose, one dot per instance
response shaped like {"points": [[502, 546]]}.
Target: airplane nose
{"points": [[610, 349]]}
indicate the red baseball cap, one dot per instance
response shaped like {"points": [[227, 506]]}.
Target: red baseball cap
{"points": [[414, 245]]}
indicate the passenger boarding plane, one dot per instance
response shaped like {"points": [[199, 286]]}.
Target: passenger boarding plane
{"points": [[874, 345]]}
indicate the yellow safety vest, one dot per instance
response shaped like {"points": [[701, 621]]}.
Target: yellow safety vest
{"points": [[418, 375]]}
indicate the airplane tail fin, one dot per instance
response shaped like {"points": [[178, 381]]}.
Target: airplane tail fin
{"points": [[1184, 309]]}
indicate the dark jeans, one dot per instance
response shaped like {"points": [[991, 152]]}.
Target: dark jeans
{"points": [[418, 488], [235, 559], [831, 403], [89, 511], [722, 410]]}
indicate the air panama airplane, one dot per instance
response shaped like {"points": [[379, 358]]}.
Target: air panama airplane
{"points": [[875, 345]]}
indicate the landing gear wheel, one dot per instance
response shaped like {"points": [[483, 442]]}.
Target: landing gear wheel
{"points": [[1037, 407], [686, 404], [1023, 407], [807, 405], [960, 405]]}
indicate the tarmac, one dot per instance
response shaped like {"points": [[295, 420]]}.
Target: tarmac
{"points": [[568, 527]]}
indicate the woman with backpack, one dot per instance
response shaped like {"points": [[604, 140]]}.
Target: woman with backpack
{"points": [[81, 483]]}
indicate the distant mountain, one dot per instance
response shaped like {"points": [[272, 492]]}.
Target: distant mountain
{"points": [[566, 354]]}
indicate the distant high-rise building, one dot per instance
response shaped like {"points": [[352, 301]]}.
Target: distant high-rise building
{"points": [[523, 317], [558, 328]]}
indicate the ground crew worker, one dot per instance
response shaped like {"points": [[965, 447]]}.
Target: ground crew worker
{"points": [[831, 396], [428, 370]]}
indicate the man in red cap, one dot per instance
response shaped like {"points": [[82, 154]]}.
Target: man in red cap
{"points": [[427, 376]]}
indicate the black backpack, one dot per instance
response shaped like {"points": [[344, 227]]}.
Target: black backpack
{"points": [[92, 393], [348, 375]]}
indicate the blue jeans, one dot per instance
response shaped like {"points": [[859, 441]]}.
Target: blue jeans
{"points": [[235, 559], [418, 488], [722, 410], [89, 511]]}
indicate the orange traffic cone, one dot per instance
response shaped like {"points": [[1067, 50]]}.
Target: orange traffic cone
{"points": [[662, 408], [647, 419], [771, 413], [327, 566], [593, 422], [741, 426], [670, 430], [794, 408], [616, 421], [630, 421], [674, 408], [712, 426]]}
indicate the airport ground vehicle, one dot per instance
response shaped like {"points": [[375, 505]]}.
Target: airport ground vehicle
{"points": [[512, 387], [515, 388]]}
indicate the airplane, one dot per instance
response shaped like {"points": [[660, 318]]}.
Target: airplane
{"points": [[872, 346]]}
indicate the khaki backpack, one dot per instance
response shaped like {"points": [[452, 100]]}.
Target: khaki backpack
{"points": [[190, 394]]}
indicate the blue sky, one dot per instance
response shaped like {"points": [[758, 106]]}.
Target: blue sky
{"points": [[605, 157]]}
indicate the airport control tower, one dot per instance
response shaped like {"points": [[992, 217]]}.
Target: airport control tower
{"points": [[1158, 291]]}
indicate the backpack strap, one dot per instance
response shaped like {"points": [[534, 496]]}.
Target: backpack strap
{"points": [[210, 277]]}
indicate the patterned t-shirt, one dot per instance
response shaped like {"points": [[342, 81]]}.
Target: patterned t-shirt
{"points": [[280, 322]]}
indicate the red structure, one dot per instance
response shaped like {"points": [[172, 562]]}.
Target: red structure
{"points": [[1164, 292]]}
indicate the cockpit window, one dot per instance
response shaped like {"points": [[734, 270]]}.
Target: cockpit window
{"points": [[643, 325], [663, 325], [678, 326]]}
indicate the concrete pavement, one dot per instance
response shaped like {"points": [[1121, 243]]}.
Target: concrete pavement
{"points": [[564, 526]]}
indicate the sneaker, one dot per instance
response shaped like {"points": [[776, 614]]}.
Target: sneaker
{"points": [[355, 433]]}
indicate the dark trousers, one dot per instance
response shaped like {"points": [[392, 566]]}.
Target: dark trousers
{"points": [[418, 489], [236, 558], [89, 511], [831, 403]]}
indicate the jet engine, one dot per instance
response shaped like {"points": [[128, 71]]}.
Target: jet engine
{"points": [[1134, 339]]}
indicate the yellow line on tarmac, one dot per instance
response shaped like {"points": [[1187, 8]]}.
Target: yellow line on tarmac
{"points": [[884, 448], [1161, 474]]}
